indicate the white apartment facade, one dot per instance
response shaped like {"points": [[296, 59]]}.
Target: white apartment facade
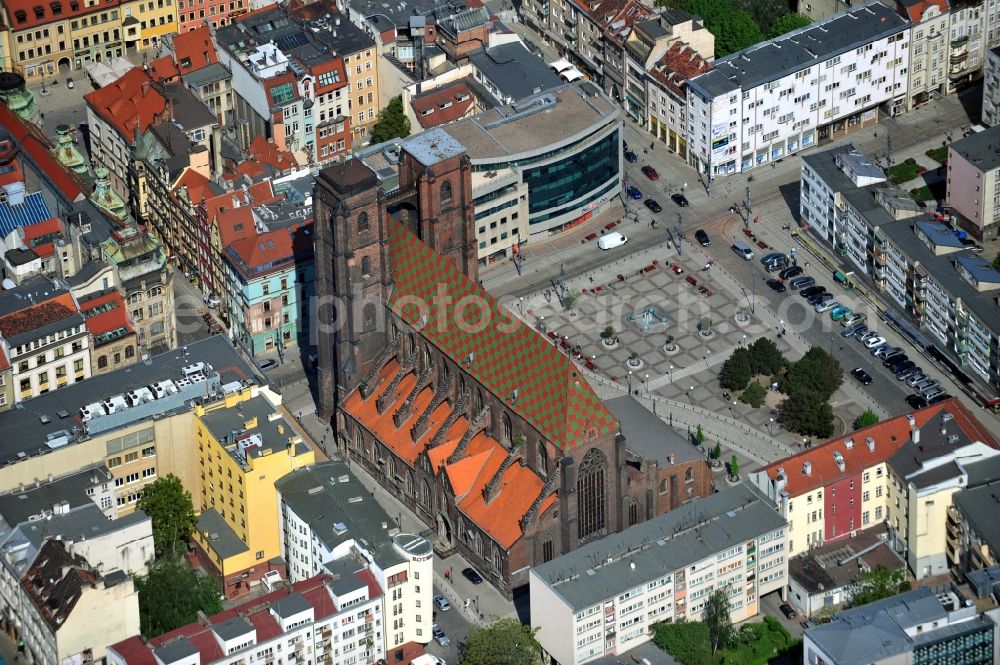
{"points": [[754, 108], [334, 620], [656, 574], [401, 562], [991, 88]]}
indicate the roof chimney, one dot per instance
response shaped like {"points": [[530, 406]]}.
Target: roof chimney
{"points": [[849, 443], [915, 435]]}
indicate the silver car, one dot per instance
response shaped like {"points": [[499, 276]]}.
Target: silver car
{"points": [[925, 385], [914, 379]]}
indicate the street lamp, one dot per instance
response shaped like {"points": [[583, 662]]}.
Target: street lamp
{"points": [[770, 424], [671, 372], [705, 358], [744, 342], [732, 409], [630, 382], [645, 383], [520, 305], [689, 395]]}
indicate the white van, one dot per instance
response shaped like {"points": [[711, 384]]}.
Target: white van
{"points": [[612, 240]]}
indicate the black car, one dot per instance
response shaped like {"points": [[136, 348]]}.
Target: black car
{"points": [[679, 199], [916, 401], [904, 366], [702, 238], [631, 156], [802, 282], [653, 205], [810, 291], [787, 610], [790, 271], [861, 375], [777, 285], [472, 576], [823, 296], [940, 398], [895, 361]]}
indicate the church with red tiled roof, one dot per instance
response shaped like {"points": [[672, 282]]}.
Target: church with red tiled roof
{"points": [[470, 417]]}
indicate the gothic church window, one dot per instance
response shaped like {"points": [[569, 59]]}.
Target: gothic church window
{"points": [[590, 492]]}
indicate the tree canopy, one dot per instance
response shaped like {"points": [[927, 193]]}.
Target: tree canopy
{"points": [[866, 419], [736, 371], [765, 358], [817, 372], [171, 511], [806, 412], [717, 619], [734, 29], [787, 23], [504, 642], [878, 583], [392, 122], [996, 261], [170, 595]]}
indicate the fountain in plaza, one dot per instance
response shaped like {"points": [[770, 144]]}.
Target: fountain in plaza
{"points": [[648, 320]]}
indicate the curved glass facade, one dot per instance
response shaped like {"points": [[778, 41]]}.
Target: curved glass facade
{"points": [[551, 187]]}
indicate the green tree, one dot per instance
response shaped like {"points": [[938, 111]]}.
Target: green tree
{"points": [[717, 451], [505, 641], [171, 594], [171, 511], [866, 419], [878, 583], [816, 372], [699, 436], [717, 619], [996, 261], [392, 122], [787, 23], [736, 371], [734, 467], [688, 642], [754, 395], [806, 412], [733, 28], [765, 358]]}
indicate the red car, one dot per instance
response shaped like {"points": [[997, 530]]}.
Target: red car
{"points": [[650, 173]]}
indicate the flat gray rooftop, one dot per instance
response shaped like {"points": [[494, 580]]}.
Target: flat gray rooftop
{"points": [[514, 70], [647, 435], [24, 430], [433, 146], [824, 165], [536, 123], [21, 505], [798, 50], [221, 537], [269, 434], [982, 149], [979, 508], [659, 546], [84, 523], [338, 508]]}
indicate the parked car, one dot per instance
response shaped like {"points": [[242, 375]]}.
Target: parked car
{"points": [[650, 172], [777, 285], [810, 290], [653, 205], [854, 318], [70, 84], [861, 375], [922, 386], [702, 238], [471, 575], [899, 365], [268, 364], [936, 391], [633, 192], [790, 271], [442, 603], [938, 398], [772, 257], [821, 297], [886, 350], [826, 305], [850, 331], [916, 401], [894, 355], [439, 636], [874, 341], [787, 610], [866, 336], [916, 378], [679, 199], [838, 313], [879, 348], [631, 157], [802, 282], [903, 374]]}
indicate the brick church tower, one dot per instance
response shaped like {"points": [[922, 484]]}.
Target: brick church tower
{"points": [[352, 278]]}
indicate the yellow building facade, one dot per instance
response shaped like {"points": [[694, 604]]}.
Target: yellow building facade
{"points": [[244, 445]]}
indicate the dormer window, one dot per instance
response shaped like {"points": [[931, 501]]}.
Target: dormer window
{"points": [[185, 62], [56, 8], [39, 11], [20, 16]]}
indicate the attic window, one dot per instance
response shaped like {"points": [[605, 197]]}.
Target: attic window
{"points": [[461, 96], [56, 8], [39, 11], [427, 111], [185, 62], [20, 16], [446, 104]]}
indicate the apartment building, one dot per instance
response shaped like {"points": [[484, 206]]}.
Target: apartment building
{"points": [[991, 88], [603, 598], [972, 528], [335, 618], [924, 475], [193, 14], [310, 85], [401, 562], [575, 29], [263, 289], [245, 444], [114, 341], [929, 50], [44, 336], [57, 597], [973, 191], [666, 95], [918, 626], [778, 97]]}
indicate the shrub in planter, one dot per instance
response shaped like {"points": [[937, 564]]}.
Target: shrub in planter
{"points": [[608, 332]]}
